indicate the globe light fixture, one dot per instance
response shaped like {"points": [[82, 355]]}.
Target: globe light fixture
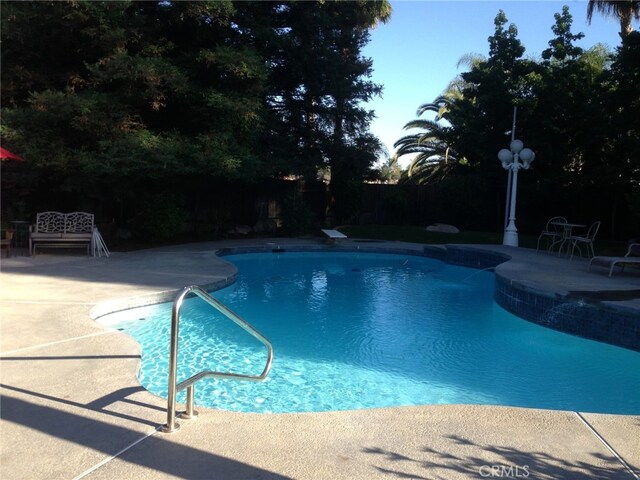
{"points": [[514, 159]]}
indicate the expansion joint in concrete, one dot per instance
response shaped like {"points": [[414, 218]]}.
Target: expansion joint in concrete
{"points": [[606, 444]]}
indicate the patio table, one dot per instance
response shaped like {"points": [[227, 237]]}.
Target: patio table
{"points": [[567, 229]]}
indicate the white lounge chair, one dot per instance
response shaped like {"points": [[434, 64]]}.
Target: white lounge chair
{"points": [[632, 257]]}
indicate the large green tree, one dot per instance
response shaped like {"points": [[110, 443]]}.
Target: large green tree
{"points": [[112, 97], [117, 98], [491, 89], [618, 167], [318, 84], [562, 46], [566, 124], [477, 105], [575, 111]]}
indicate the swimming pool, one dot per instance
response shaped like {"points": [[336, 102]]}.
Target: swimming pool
{"points": [[354, 330]]}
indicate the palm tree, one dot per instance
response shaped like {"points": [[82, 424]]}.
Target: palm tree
{"points": [[433, 157], [624, 10]]}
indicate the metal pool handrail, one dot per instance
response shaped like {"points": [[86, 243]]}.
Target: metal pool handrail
{"points": [[174, 388]]}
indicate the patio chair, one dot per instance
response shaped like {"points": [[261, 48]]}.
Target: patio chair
{"points": [[553, 232], [6, 241], [631, 257], [586, 240]]}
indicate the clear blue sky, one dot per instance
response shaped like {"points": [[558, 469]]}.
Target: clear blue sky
{"points": [[415, 54]]}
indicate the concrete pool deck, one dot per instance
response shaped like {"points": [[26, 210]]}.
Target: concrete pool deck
{"points": [[71, 405]]}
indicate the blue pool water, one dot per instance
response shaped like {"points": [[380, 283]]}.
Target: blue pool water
{"points": [[372, 330]]}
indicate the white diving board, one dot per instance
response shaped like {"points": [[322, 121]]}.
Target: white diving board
{"points": [[333, 235]]}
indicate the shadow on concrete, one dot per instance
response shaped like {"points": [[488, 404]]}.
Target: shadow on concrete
{"points": [[153, 268], [98, 405], [510, 463], [156, 452]]}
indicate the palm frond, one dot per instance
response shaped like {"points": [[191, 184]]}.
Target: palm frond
{"points": [[434, 106], [623, 10], [454, 89], [422, 123], [426, 172], [405, 139], [471, 60], [431, 156]]}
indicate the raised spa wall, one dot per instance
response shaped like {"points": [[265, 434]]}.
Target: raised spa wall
{"points": [[576, 316]]}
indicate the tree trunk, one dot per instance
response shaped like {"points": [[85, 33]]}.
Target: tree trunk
{"points": [[626, 26]]}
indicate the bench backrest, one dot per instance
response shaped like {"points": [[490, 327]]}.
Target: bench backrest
{"points": [[634, 250], [58, 222]]}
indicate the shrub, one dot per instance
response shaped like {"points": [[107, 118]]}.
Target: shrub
{"points": [[159, 218], [396, 207], [297, 216]]}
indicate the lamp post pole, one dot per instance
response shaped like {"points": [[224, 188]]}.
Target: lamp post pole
{"points": [[514, 159], [509, 173]]}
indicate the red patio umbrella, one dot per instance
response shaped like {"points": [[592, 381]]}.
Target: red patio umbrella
{"points": [[7, 155]]}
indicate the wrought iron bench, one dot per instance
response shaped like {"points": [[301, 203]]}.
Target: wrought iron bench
{"points": [[62, 230]]}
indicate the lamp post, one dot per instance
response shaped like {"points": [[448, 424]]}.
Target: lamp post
{"points": [[514, 159]]}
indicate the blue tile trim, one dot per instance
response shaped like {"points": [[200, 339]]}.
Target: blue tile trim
{"points": [[575, 316], [467, 256]]}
